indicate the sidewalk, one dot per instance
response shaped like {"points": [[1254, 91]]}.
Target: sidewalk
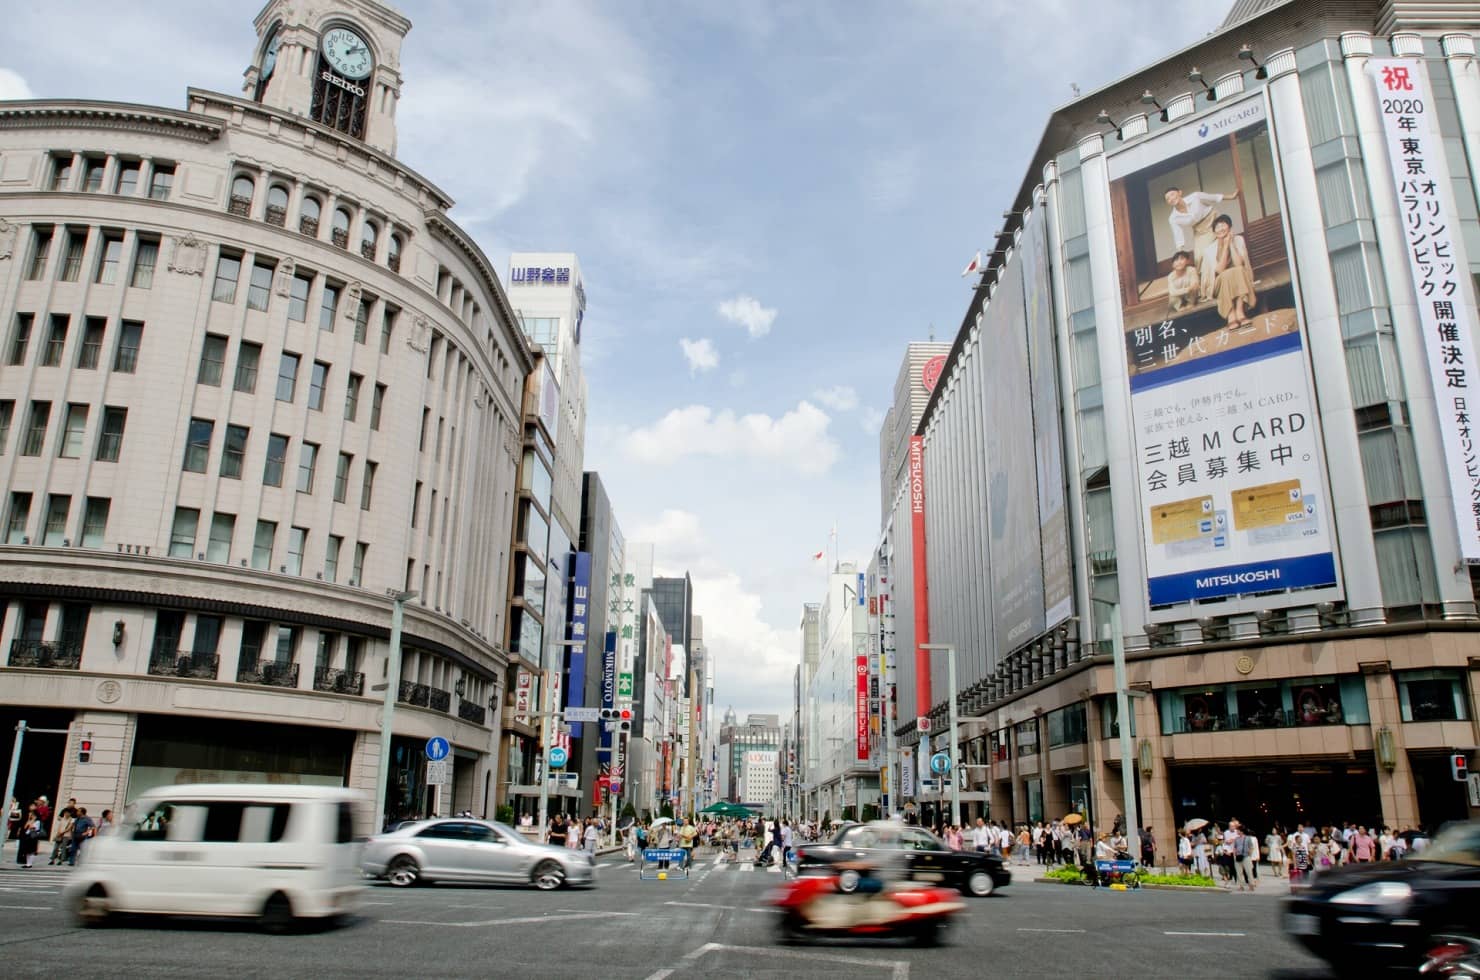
{"points": [[1265, 884]]}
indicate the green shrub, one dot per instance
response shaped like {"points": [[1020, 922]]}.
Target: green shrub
{"points": [[1184, 880], [1066, 873], [504, 814]]}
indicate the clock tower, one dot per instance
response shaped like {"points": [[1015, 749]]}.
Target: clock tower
{"points": [[336, 62]]}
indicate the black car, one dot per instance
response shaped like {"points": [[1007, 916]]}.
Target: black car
{"points": [[925, 854], [1387, 913]]}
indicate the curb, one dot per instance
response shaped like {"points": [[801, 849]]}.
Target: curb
{"points": [[1168, 888]]}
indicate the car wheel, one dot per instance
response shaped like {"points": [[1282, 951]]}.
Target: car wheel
{"points": [[548, 876], [93, 908], [980, 884], [929, 933], [792, 928], [848, 880], [403, 872], [277, 915]]}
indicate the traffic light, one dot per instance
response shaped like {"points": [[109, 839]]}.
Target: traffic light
{"points": [[1459, 767], [608, 714], [624, 720], [84, 750]]}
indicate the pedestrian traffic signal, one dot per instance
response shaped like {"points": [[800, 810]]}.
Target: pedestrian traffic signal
{"points": [[1459, 767], [84, 750]]}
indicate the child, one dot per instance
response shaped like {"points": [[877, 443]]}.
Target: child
{"points": [[1182, 284]]}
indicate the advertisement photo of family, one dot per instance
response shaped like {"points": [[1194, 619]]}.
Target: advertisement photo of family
{"points": [[1201, 250]]}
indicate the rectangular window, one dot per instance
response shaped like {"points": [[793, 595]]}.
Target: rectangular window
{"points": [[73, 430], [61, 173], [161, 181], [357, 571], [92, 343], [228, 271], [259, 292], [56, 341], [297, 541], [415, 502], [262, 544], [352, 397], [277, 458], [7, 416], [198, 445], [426, 421], [376, 404], [287, 644], [127, 180], [110, 434], [316, 383], [146, 257], [109, 259], [329, 307], [367, 485], [218, 548], [248, 355], [253, 632], [331, 557], [387, 325], [341, 478], [95, 521], [1432, 695], [362, 314], [36, 429], [234, 451], [72, 260], [58, 506], [298, 296], [20, 338], [130, 337], [212, 361], [441, 430], [182, 532], [328, 642], [17, 517], [308, 460], [207, 640], [40, 252], [287, 384], [92, 174]]}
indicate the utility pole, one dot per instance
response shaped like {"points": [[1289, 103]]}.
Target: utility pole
{"points": [[388, 705]]}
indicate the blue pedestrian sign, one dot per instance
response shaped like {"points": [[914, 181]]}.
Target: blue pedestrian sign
{"points": [[940, 763], [437, 748], [558, 757]]}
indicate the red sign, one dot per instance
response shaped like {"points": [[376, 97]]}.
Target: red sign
{"points": [[860, 706], [922, 594], [930, 373]]}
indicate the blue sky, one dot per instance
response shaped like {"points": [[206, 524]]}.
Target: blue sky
{"points": [[769, 199]]}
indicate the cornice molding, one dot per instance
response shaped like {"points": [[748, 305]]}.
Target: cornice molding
{"points": [[37, 114], [443, 227]]}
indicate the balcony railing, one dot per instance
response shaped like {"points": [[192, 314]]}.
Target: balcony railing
{"points": [[469, 711], [439, 700], [413, 694], [276, 216], [269, 673], [334, 680], [176, 663], [394, 261], [240, 206], [367, 249], [339, 237], [61, 655], [309, 227], [1181, 725]]}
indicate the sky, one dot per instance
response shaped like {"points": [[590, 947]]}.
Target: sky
{"points": [[769, 200]]}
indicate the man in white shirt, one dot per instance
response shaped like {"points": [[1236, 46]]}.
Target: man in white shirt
{"points": [[981, 837], [1191, 218]]}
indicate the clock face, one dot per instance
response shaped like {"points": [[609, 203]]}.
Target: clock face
{"points": [[347, 53]]}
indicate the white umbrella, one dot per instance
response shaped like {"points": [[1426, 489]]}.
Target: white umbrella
{"points": [[1195, 824], [661, 821]]}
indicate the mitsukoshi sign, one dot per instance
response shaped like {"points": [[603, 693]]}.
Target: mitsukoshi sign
{"points": [[1227, 462]]}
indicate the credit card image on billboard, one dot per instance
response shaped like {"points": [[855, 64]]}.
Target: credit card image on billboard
{"points": [[1181, 520], [1268, 505]]}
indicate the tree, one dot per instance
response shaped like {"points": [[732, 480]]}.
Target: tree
{"points": [[504, 814], [629, 810]]}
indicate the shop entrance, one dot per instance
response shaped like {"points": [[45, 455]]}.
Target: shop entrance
{"points": [[1262, 795], [39, 771]]}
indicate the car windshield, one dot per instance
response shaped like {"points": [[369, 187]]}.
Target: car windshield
{"points": [[871, 837], [1455, 845]]}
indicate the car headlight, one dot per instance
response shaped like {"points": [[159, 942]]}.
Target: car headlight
{"points": [[1376, 893]]}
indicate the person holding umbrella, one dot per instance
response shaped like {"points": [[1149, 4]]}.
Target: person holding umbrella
{"points": [[1194, 829]]}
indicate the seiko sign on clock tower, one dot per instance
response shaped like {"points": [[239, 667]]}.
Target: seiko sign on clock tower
{"points": [[338, 64]]}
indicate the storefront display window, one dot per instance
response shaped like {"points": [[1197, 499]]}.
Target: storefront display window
{"points": [[1432, 695]]}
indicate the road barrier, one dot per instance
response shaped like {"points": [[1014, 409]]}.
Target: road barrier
{"points": [[663, 863]]}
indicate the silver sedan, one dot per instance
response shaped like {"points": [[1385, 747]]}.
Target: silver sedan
{"points": [[475, 851]]}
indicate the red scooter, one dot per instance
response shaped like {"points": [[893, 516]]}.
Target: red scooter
{"points": [[846, 905]]}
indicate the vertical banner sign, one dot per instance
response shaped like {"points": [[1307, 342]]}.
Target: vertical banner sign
{"points": [[608, 693], [922, 592], [907, 775], [1446, 312], [580, 597], [860, 706], [523, 682], [1228, 459]]}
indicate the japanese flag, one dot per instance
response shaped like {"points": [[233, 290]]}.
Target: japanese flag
{"points": [[817, 557], [974, 266]]}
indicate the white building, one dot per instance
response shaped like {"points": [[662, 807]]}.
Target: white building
{"points": [[760, 782], [255, 378]]}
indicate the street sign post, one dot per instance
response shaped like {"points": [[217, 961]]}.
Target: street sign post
{"points": [[436, 771], [582, 714], [437, 748], [923, 724], [940, 763], [558, 758]]}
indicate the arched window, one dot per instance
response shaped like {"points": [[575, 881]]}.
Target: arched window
{"points": [[242, 189], [340, 233], [269, 60], [393, 253], [308, 216], [369, 238], [277, 205]]}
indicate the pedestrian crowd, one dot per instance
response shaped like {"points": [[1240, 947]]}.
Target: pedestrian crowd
{"points": [[68, 830]]}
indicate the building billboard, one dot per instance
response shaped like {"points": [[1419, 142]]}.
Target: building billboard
{"points": [[917, 553], [1228, 456], [860, 707], [580, 600], [1445, 310]]}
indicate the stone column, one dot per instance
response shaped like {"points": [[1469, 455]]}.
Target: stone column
{"points": [[1399, 801]]}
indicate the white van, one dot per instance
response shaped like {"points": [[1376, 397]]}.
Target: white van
{"points": [[274, 853]]}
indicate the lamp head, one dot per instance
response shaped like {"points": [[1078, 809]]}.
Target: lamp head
{"points": [[1246, 52], [1195, 76], [1148, 97], [1103, 118]]}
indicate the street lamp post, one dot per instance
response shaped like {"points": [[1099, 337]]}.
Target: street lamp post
{"points": [[950, 649], [1122, 711], [548, 711], [388, 705]]}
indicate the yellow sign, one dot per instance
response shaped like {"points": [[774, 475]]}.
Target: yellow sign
{"points": [[1270, 505], [1181, 520]]}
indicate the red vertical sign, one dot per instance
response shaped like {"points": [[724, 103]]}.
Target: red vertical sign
{"points": [[860, 706], [923, 700]]}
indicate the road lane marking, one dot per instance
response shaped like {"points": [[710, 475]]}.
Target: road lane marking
{"points": [[1230, 935], [527, 920], [33, 908], [898, 969], [1055, 930]]}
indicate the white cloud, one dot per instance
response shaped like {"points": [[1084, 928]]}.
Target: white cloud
{"points": [[871, 419], [700, 354], [839, 398], [13, 86], [746, 311], [798, 440]]}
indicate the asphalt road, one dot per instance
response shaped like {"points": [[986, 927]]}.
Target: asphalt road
{"points": [[716, 924]]}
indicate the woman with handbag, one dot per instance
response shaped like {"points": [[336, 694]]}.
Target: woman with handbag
{"points": [[30, 836], [61, 845]]}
